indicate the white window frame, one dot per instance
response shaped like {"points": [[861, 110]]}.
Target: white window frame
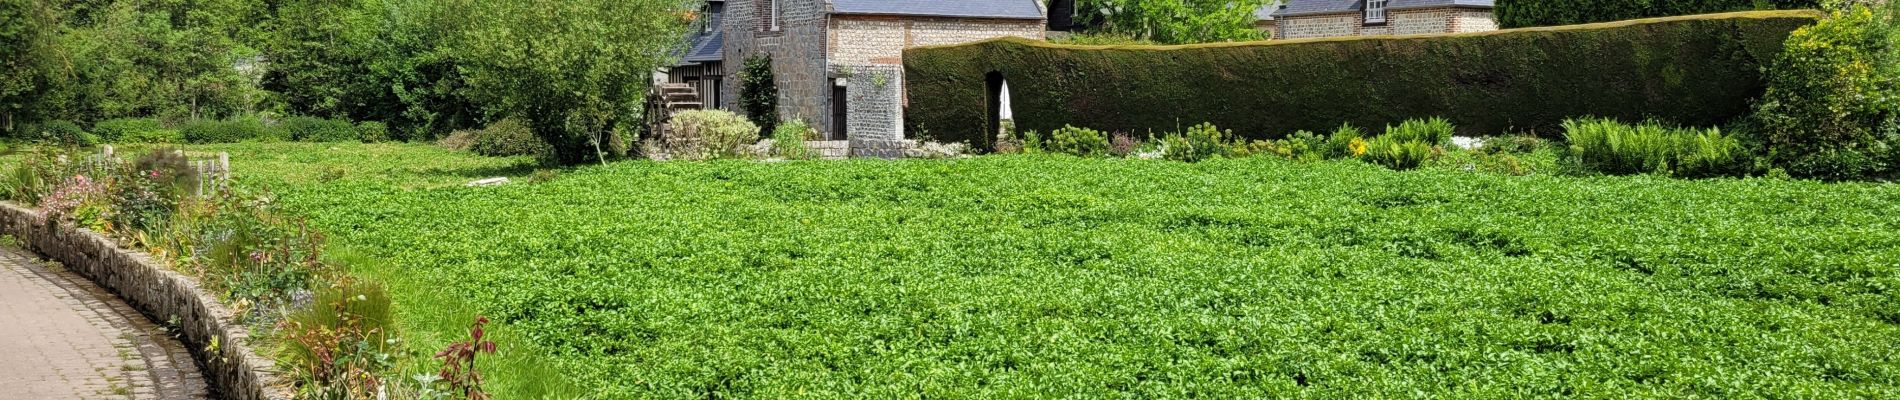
{"points": [[1375, 11], [774, 16]]}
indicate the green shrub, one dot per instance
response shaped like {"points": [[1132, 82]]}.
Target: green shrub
{"points": [[1200, 142], [1302, 145], [758, 92], [507, 138], [64, 133], [1341, 144], [1699, 70], [311, 129], [1512, 144], [788, 140], [1526, 13], [231, 131], [117, 130], [1032, 142], [1083, 142], [1397, 154], [165, 136], [1830, 95], [708, 134], [1434, 131], [372, 132], [1611, 147]]}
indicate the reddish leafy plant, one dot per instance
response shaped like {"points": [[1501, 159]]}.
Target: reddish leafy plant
{"points": [[458, 362]]}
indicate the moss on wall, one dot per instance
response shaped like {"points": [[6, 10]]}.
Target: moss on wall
{"points": [[1697, 70]]}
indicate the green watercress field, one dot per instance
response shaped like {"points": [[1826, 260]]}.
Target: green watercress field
{"points": [[1051, 276]]}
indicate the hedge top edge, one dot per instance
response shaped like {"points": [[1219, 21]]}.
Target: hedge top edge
{"points": [[1767, 14]]}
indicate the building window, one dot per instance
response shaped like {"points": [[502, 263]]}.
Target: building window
{"points": [[768, 15], [1375, 11]]}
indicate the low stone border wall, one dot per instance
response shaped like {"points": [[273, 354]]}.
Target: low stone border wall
{"points": [[236, 371]]}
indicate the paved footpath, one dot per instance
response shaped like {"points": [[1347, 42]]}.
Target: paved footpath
{"points": [[62, 337]]}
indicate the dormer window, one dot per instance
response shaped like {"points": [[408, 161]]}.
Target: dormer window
{"points": [[1375, 11]]}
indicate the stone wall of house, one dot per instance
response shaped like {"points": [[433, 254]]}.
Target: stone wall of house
{"points": [[874, 107], [797, 50], [868, 52], [1473, 21], [1398, 22]]}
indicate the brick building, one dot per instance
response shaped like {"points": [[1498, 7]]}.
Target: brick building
{"points": [[1296, 19], [838, 63]]}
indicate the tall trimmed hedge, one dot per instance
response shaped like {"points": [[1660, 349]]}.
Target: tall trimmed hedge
{"points": [[1699, 70], [1527, 13]]}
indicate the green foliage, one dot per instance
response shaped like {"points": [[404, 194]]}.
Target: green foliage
{"points": [[1432, 132], [179, 61], [339, 347], [1698, 70], [508, 138], [1083, 142], [372, 132], [1398, 152], [312, 129], [758, 91], [1101, 39], [1200, 142], [172, 136], [119, 129], [708, 134], [231, 131], [1345, 142], [1513, 144], [29, 59], [573, 70], [1171, 21], [1611, 147], [1527, 13], [1002, 277], [1830, 95], [63, 133], [788, 140]]}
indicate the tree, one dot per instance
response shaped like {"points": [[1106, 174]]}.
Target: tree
{"points": [[574, 69], [29, 57], [176, 60], [758, 92], [1172, 21]]}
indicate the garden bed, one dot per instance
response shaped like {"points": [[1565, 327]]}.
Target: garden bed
{"points": [[206, 326]]}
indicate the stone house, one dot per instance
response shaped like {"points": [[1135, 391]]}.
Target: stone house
{"points": [[838, 63], [1296, 19], [702, 62]]}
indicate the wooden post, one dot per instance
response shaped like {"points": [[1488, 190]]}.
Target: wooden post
{"points": [[224, 165], [107, 151]]}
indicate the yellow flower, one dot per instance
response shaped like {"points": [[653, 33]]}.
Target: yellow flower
{"points": [[1358, 147]]}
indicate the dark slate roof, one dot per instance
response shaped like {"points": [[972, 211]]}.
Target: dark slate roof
{"points": [[708, 48], [702, 46], [1011, 9], [1311, 7]]}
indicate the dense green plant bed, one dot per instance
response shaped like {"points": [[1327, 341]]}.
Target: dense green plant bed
{"points": [[1054, 276], [1698, 70]]}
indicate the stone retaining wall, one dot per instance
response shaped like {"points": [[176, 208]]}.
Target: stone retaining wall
{"points": [[235, 370]]}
